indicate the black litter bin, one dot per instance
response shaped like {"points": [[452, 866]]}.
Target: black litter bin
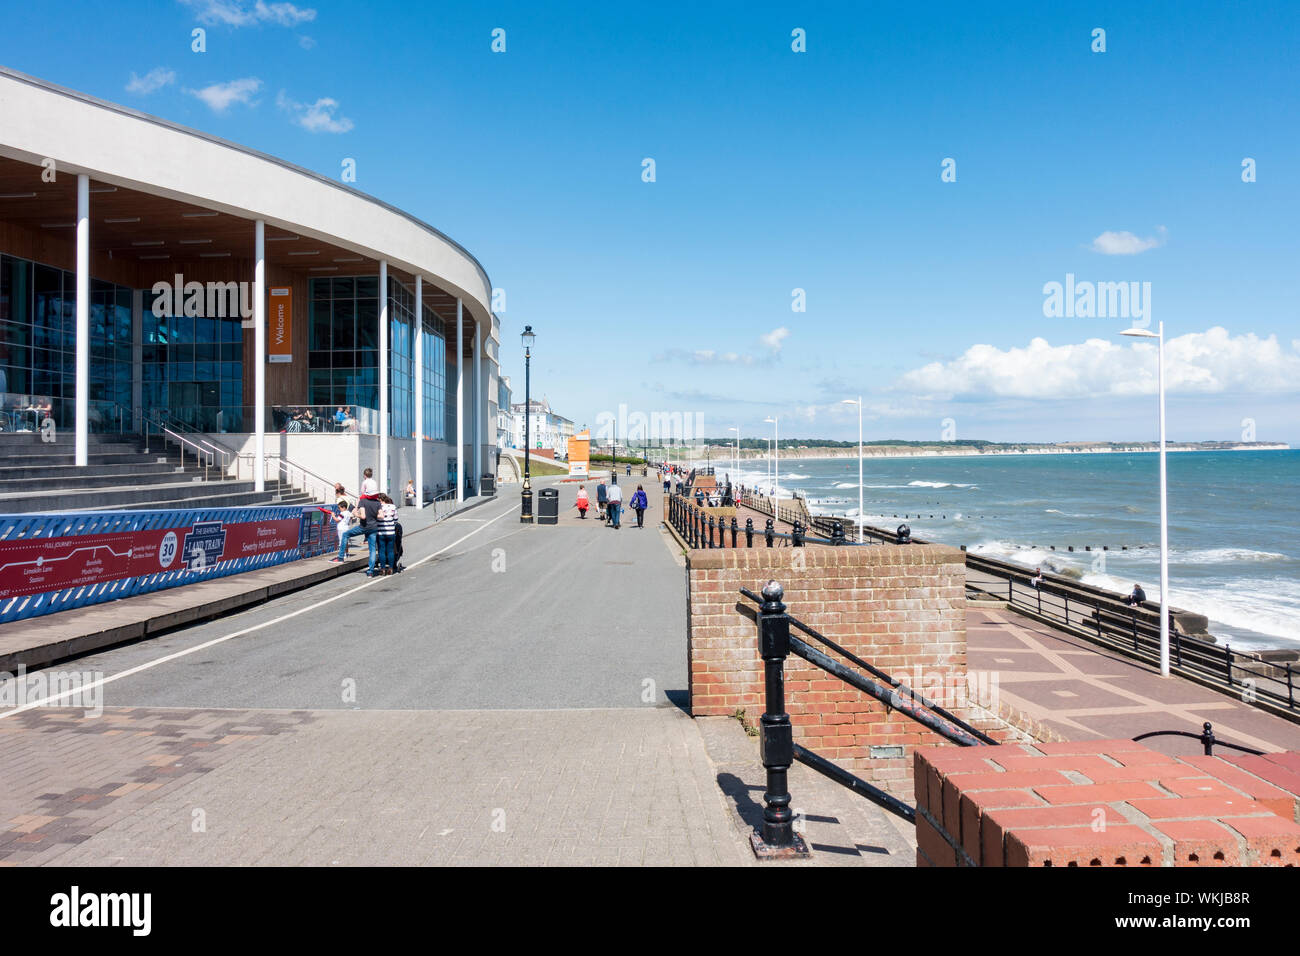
{"points": [[548, 506], [488, 485]]}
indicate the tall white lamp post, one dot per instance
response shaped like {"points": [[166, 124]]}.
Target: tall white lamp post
{"points": [[1159, 336], [776, 460], [858, 402], [735, 475]]}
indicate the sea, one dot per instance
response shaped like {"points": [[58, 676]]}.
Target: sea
{"points": [[1234, 521]]}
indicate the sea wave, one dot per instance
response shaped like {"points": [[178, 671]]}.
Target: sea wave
{"points": [[938, 484], [1224, 556]]}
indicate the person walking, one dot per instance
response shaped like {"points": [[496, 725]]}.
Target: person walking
{"points": [[583, 501], [639, 504], [615, 504], [342, 515], [368, 506], [386, 532], [602, 500], [410, 492]]}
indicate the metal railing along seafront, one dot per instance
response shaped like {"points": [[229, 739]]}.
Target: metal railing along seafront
{"points": [[1098, 615]]}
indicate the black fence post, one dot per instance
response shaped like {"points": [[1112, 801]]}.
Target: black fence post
{"points": [[769, 533], [776, 737], [1207, 738], [734, 528], [1290, 689], [710, 531], [749, 532], [1227, 660], [837, 534], [797, 534]]}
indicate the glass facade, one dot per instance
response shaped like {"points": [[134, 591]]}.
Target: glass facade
{"points": [[343, 357], [192, 369], [38, 320]]}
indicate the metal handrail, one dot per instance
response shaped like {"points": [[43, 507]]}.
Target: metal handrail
{"points": [[155, 417], [944, 723], [1206, 737]]}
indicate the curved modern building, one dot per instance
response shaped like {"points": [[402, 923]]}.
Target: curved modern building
{"points": [[152, 274]]}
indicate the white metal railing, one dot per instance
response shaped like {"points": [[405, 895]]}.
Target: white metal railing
{"points": [[444, 505]]}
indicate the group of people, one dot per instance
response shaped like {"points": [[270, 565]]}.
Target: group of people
{"points": [[609, 503], [375, 516]]}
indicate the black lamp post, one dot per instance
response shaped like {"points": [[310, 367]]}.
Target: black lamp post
{"points": [[526, 500]]}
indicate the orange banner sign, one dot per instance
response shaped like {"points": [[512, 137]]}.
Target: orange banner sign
{"points": [[579, 455], [279, 325]]}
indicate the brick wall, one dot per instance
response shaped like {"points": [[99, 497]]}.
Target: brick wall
{"points": [[903, 609], [1104, 803]]}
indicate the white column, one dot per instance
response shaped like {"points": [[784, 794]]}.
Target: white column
{"points": [[419, 391], [1164, 515], [460, 404], [478, 408], [383, 377], [82, 435], [259, 354]]}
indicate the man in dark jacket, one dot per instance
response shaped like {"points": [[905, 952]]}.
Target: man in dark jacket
{"points": [[1137, 597], [602, 499], [368, 511]]}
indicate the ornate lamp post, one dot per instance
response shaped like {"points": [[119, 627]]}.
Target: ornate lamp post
{"points": [[526, 499]]}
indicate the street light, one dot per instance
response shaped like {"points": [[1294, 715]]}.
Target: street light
{"points": [[776, 461], [733, 428], [1164, 500], [526, 500], [858, 402]]}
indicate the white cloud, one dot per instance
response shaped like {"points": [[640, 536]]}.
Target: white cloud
{"points": [[152, 81], [705, 357], [306, 42], [1125, 243], [220, 96], [1213, 361], [774, 338], [236, 13], [316, 117]]}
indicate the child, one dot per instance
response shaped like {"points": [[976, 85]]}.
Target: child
{"points": [[342, 520], [583, 501], [386, 542]]}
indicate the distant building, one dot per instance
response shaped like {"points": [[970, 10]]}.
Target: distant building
{"points": [[545, 428]]}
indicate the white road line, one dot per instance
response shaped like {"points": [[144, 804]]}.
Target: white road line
{"points": [[240, 633]]}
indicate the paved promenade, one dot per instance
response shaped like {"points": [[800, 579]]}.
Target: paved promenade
{"points": [[513, 697], [1084, 692]]}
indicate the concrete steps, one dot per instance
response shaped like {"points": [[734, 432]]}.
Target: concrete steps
{"points": [[36, 477]]}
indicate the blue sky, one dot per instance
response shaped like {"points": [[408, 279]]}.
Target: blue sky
{"points": [[777, 170]]}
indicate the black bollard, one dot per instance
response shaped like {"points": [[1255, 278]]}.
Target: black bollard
{"points": [[837, 534], [776, 737], [769, 533], [1207, 738], [710, 531], [749, 532], [734, 528], [797, 534]]}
